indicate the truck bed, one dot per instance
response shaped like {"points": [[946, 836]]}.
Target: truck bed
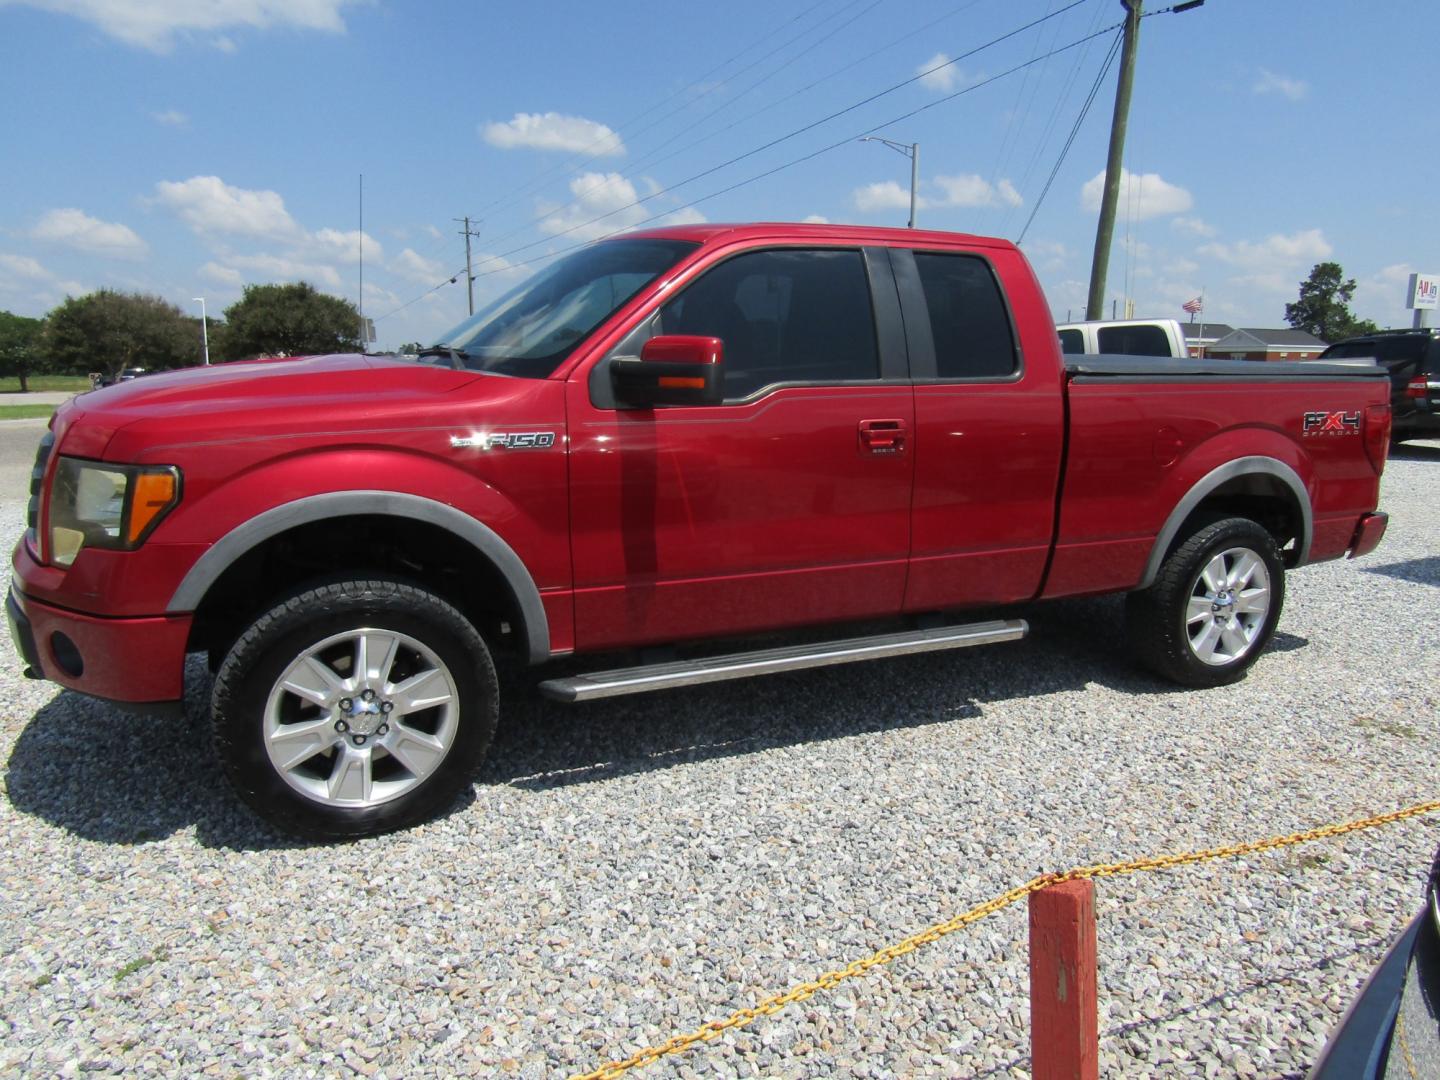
{"points": [[1114, 366]]}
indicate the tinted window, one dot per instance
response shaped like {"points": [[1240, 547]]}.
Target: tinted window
{"points": [[1072, 341], [968, 320], [534, 326], [1351, 349], [1134, 340], [784, 316]]}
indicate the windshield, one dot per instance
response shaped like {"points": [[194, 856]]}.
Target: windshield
{"points": [[534, 326]]}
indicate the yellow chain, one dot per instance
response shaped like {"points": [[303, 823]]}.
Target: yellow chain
{"points": [[829, 980]]}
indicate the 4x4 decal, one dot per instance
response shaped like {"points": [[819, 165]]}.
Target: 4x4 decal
{"points": [[1331, 423]]}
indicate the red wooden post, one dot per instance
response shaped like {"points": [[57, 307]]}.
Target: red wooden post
{"points": [[1064, 1031]]}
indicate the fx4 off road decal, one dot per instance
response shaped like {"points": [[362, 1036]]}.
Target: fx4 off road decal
{"points": [[506, 440], [1331, 423]]}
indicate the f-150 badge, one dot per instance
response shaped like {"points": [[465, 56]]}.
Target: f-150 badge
{"points": [[1332, 423], [506, 440]]}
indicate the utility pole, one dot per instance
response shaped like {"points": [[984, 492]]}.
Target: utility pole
{"points": [[469, 276], [912, 151], [1094, 307]]}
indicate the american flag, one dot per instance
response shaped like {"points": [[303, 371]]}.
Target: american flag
{"points": [[1194, 307]]}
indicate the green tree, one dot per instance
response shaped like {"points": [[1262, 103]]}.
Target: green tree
{"points": [[110, 331], [1323, 308], [20, 355], [289, 320]]}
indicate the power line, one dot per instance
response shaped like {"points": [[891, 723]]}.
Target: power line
{"points": [[1074, 130], [573, 165], [776, 169], [728, 103], [504, 255]]}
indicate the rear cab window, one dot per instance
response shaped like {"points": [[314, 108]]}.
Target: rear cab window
{"points": [[1134, 340], [1072, 342]]}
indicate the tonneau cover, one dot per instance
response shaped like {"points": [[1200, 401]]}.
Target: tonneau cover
{"points": [[1105, 365]]}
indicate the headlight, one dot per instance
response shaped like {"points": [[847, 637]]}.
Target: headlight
{"points": [[107, 506]]}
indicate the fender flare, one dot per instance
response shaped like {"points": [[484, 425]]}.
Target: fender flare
{"points": [[1215, 478], [244, 538]]}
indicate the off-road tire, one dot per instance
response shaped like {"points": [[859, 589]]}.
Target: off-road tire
{"points": [[1159, 618], [249, 698]]}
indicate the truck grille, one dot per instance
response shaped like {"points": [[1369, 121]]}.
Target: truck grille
{"points": [[37, 480]]}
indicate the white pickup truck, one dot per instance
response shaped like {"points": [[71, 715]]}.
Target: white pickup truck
{"points": [[1127, 337]]}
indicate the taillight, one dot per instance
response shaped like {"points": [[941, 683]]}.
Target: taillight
{"points": [[1416, 387], [1377, 435]]}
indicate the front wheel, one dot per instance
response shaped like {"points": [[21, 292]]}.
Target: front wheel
{"points": [[354, 708], [1213, 606]]}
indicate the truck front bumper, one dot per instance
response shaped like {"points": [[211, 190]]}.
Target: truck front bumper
{"points": [[133, 661]]}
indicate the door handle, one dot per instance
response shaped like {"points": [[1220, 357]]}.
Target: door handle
{"points": [[882, 436]]}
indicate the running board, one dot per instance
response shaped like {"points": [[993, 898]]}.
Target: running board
{"points": [[640, 680]]}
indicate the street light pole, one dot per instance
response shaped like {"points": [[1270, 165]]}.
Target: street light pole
{"points": [[912, 151], [204, 327]]}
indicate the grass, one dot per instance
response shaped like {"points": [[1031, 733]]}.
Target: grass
{"points": [[62, 383], [141, 962], [24, 412]]}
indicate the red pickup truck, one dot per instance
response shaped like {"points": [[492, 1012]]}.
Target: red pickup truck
{"points": [[690, 433]]}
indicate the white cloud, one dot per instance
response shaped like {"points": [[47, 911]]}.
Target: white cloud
{"points": [[433, 232], [1049, 255], [171, 118], [1192, 226], [222, 275], [815, 219], [1276, 250], [1142, 195], [1272, 83], [284, 268], [156, 24], [413, 266], [77, 229], [886, 195], [973, 190], [26, 287], [942, 76], [553, 131], [209, 205], [601, 205], [342, 245]]}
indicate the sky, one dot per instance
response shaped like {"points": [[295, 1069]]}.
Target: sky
{"points": [[186, 149]]}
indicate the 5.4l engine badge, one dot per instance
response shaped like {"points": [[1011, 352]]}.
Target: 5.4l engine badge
{"points": [[506, 440], [1332, 423]]}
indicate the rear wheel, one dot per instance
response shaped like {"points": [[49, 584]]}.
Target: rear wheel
{"points": [[354, 708], [1213, 606]]}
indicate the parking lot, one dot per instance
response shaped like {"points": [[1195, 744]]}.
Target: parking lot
{"points": [[627, 870]]}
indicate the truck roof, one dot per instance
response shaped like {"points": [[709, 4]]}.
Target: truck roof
{"points": [[708, 232]]}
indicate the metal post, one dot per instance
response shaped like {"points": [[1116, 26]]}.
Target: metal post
{"points": [[204, 328], [361, 305], [914, 178], [1105, 230], [469, 275]]}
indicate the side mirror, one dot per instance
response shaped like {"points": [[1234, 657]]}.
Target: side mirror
{"points": [[673, 369]]}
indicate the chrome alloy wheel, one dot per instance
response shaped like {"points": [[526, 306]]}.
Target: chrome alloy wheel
{"points": [[361, 717], [1229, 602]]}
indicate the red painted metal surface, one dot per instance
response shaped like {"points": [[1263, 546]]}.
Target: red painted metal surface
{"points": [[808, 504], [1064, 1032], [139, 660]]}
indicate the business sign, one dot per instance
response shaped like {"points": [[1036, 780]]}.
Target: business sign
{"points": [[1423, 292]]}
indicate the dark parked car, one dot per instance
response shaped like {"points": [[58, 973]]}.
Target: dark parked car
{"points": [[1413, 358], [1391, 1031], [126, 374]]}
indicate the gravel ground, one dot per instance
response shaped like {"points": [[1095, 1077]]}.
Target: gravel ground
{"points": [[623, 871]]}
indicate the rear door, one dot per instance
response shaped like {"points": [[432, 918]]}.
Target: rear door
{"points": [[789, 503], [989, 427]]}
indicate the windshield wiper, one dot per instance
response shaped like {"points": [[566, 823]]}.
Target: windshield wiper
{"points": [[457, 356]]}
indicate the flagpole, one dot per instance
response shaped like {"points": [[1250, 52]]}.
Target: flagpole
{"points": [[1201, 338]]}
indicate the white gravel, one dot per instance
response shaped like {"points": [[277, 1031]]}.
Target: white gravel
{"points": [[628, 870]]}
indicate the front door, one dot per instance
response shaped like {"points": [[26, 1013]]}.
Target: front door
{"points": [[789, 503]]}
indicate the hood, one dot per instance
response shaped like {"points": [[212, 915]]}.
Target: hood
{"points": [[261, 398]]}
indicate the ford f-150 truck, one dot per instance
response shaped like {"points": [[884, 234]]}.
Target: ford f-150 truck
{"points": [[702, 432]]}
